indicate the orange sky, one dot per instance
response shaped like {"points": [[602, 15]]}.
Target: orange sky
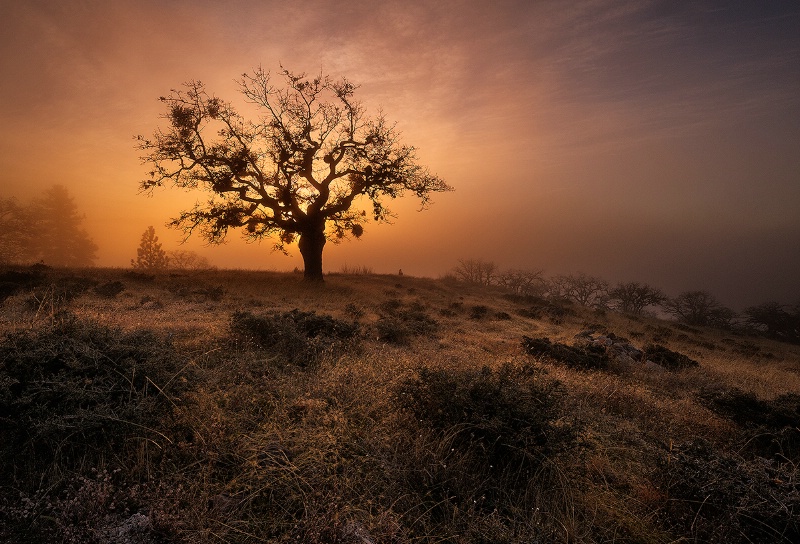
{"points": [[652, 141]]}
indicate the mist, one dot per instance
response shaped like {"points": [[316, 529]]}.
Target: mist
{"points": [[636, 141]]}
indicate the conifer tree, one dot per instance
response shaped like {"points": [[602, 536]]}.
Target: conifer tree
{"points": [[149, 255], [56, 234]]}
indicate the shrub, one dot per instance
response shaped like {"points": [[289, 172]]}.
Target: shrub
{"points": [[353, 311], [671, 360], [505, 411], [585, 357], [720, 497], [498, 426], [8, 289], [60, 292], [214, 294], [142, 277], [771, 424], [110, 289], [400, 323], [297, 337], [538, 308], [478, 312], [73, 388], [29, 277]]}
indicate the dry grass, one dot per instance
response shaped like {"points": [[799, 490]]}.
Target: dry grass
{"points": [[249, 446]]}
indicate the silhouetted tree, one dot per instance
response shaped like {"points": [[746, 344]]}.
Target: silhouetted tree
{"points": [[58, 238], [581, 288], [294, 173], [775, 320], [15, 232], [523, 282], [180, 259], [698, 308], [475, 271], [634, 297], [149, 255]]}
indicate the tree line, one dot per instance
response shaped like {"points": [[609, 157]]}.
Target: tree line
{"points": [[46, 230], [694, 307]]}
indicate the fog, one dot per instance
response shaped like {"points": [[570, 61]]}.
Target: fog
{"points": [[648, 141]]}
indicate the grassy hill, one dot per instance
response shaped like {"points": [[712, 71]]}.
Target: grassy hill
{"points": [[232, 406]]}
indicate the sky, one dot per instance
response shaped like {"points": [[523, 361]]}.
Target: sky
{"points": [[652, 141]]}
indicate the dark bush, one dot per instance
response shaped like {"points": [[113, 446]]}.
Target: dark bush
{"points": [[584, 356], [772, 425], [478, 312], [26, 278], [140, 276], [499, 426], [297, 337], [400, 323], [391, 305], [213, 294], [109, 289], [554, 310], [722, 498], [76, 387], [671, 360], [508, 413], [60, 292], [8, 289], [353, 311], [393, 330]]}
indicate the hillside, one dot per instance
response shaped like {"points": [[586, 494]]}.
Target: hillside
{"points": [[233, 406]]}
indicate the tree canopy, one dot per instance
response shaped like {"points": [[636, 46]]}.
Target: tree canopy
{"points": [[633, 297], [293, 173], [698, 308]]}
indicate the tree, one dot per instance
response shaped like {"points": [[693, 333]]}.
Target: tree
{"points": [[297, 172], [15, 232], [58, 238], [149, 255], [634, 297], [475, 271], [180, 259], [698, 308], [523, 282], [581, 288], [775, 320]]}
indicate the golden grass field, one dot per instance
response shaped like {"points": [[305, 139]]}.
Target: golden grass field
{"points": [[428, 423]]}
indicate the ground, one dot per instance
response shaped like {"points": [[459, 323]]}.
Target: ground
{"points": [[243, 406]]}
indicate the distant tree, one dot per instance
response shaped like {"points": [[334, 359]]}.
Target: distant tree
{"points": [[149, 255], [180, 259], [523, 282], [15, 232], [475, 271], [698, 308], [58, 238], [634, 297], [581, 288], [775, 320], [294, 173]]}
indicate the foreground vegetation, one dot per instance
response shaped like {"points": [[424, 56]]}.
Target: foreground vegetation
{"points": [[225, 406]]}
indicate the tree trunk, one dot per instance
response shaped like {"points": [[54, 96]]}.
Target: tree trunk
{"points": [[311, 244]]}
